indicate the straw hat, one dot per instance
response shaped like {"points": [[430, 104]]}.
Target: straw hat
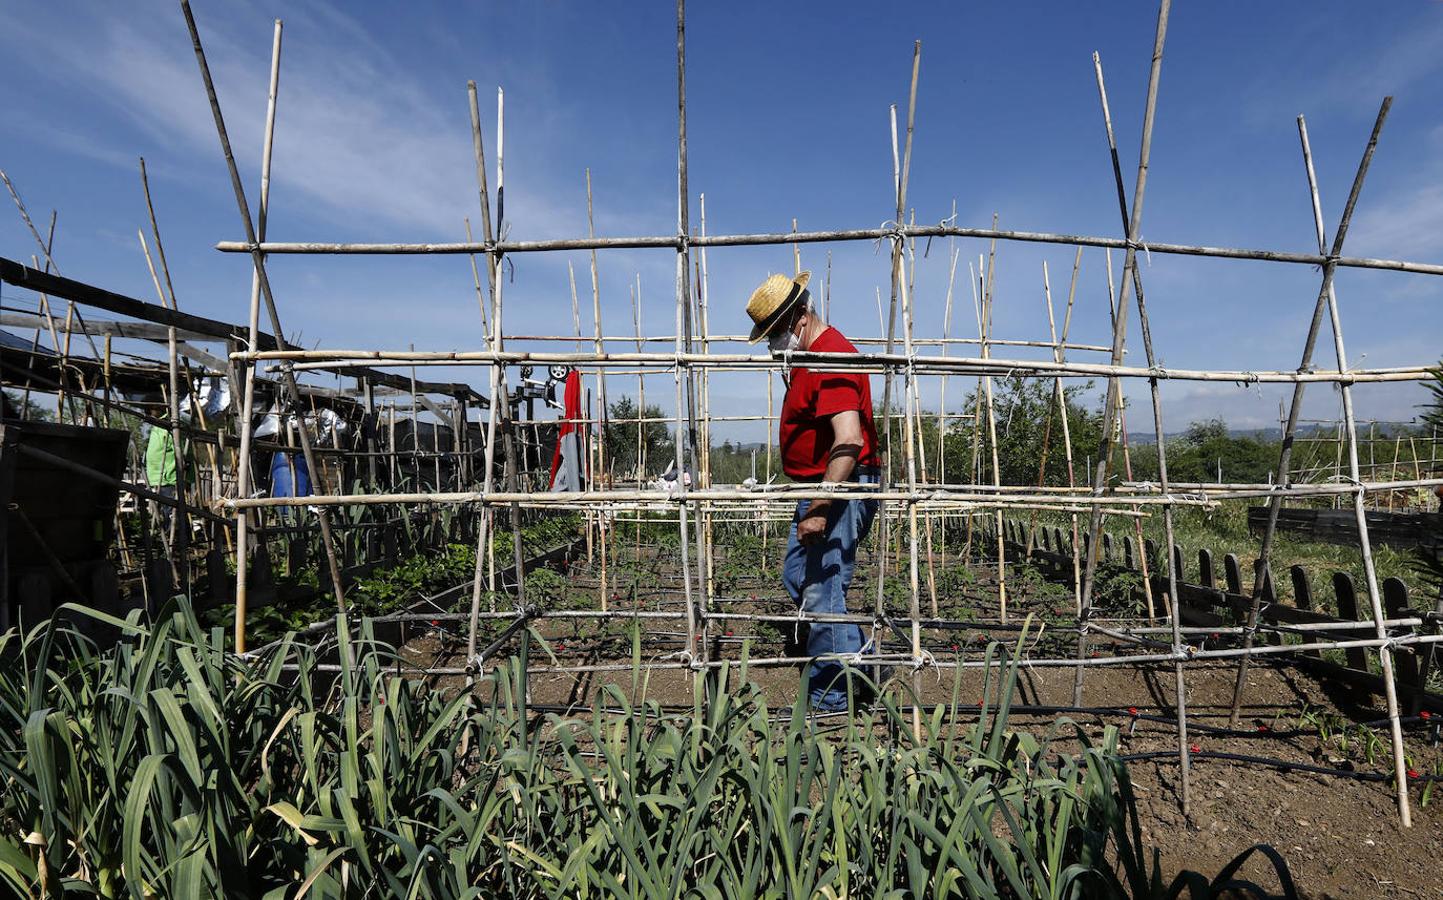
{"points": [[770, 303]]}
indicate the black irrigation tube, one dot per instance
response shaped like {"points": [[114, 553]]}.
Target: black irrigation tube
{"points": [[1041, 709], [1282, 764]]}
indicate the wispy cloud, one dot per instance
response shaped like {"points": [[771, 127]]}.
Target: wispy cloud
{"points": [[1407, 223], [362, 138], [1361, 81]]}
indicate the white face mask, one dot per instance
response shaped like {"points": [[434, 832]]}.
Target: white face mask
{"points": [[785, 342]]}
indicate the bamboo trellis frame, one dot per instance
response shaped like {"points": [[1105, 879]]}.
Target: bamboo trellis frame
{"points": [[697, 508]]}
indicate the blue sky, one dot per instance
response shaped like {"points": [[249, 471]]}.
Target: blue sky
{"points": [[788, 117]]}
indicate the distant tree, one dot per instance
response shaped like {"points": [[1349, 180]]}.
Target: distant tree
{"points": [[21, 407], [1432, 416], [626, 439], [1205, 449], [1027, 419]]}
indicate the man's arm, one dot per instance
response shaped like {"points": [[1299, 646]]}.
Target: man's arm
{"points": [[841, 461]]}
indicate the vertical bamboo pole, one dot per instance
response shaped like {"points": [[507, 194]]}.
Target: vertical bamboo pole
{"points": [[1046, 419], [911, 437], [826, 290], [901, 174], [436, 446], [985, 335], [1393, 470], [796, 251], [942, 392], [485, 530], [475, 274], [104, 375], [43, 308], [243, 459], [706, 477], [503, 392], [767, 468], [683, 373], [1372, 431], [914, 411], [1370, 573], [640, 390], [1058, 355], [392, 451], [64, 362], [179, 520], [1133, 227], [258, 260], [368, 396], [71, 313], [600, 348], [1127, 457], [575, 304], [182, 481], [975, 279], [640, 460], [1286, 452], [1112, 424]]}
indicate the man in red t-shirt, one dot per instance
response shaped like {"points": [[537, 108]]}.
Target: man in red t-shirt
{"points": [[826, 435]]}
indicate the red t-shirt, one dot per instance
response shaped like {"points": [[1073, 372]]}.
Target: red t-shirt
{"points": [[812, 399]]}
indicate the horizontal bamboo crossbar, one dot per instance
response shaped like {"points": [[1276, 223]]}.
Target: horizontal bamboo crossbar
{"points": [[903, 232], [867, 362]]}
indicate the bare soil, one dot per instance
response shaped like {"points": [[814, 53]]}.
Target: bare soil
{"points": [[1341, 836]]}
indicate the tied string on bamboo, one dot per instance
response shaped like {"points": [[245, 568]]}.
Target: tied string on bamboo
{"points": [[890, 230], [1249, 631], [684, 656], [925, 660], [1139, 244], [948, 222]]}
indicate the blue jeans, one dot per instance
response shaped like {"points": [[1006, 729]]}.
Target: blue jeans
{"points": [[817, 577]]}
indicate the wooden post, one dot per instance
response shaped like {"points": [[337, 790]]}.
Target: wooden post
{"points": [[1346, 594], [1406, 668]]}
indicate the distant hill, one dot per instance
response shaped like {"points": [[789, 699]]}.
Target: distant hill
{"points": [[1261, 434]]}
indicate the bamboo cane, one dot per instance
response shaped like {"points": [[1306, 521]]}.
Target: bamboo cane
{"points": [[1295, 407], [685, 412], [1144, 564], [991, 411], [243, 459], [179, 537], [258, 260], [1112, 422], [1058, 354], [600, 348], [1385, 652], [886, 232], [1180, 689]]}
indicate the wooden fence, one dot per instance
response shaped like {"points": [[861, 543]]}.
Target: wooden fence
{"points": [[1340, 526], [1206, 601]]}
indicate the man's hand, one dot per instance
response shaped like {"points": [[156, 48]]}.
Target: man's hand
{"points": [[812, 528]]}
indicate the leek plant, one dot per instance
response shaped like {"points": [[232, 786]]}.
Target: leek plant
{"points": [[166, 767]]}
